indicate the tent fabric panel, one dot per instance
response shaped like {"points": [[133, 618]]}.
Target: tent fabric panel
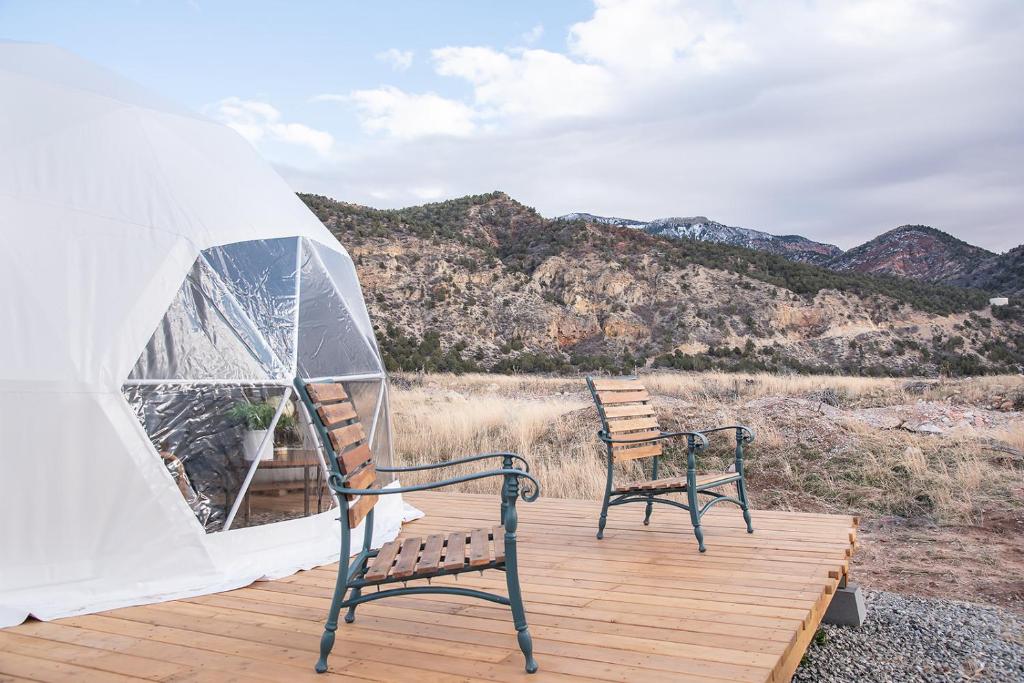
{"points": [[228, 192], [55, 67], [102, 518], [84, 300]]}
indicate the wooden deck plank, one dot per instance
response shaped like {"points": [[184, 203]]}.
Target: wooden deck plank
{"points": [[642, 604]]}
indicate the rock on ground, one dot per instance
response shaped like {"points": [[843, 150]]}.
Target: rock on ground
{"points": [[908, 639]]}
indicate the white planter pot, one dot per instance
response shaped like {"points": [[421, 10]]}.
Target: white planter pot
{"points": [[251, 444]]}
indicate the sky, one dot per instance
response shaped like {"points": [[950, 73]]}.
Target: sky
{"points": [[833, 120]]}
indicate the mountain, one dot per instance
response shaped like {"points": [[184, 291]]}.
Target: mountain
{"points": [[914, 251], [484, 282], [793, 247], [1001, 274]]}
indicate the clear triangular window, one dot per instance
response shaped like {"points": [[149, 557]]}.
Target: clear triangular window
{"points": [[262, 276], [331, 341], [205, 334]]}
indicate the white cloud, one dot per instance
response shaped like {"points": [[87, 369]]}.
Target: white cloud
{"points": [[406, 116], [533, 35], [400, 60], [260, 122], [537, 84]]}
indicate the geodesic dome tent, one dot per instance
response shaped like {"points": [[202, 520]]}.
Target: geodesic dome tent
{"points": [[161, 289]]}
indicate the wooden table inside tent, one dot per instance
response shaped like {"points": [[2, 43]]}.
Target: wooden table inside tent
{"points": [[641, 605], [305, 459]]}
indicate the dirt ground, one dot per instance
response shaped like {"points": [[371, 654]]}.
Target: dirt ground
{"points": [[982, 563]]}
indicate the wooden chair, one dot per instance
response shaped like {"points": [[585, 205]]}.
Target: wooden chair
{"points": [[629, 429], [353, 477]]}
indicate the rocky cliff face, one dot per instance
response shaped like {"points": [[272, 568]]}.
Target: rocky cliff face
{"points": [[913, 251], [485, 282]]}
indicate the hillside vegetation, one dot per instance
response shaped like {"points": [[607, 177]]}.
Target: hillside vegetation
{"points": [[483, 282]]}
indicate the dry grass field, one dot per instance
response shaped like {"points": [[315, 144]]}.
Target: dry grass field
{"points": [[935, 468]]}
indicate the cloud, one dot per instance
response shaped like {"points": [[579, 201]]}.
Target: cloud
{"points": [[400, 60], [259, 122], [833, 120], [533, 35], [536, 84], [407, 116]]}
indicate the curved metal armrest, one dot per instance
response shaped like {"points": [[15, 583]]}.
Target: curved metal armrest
{"points": [[528, 493], [702, 441], [460, 461], [748, 433]]}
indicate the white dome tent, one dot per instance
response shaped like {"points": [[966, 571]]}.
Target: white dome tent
{"points": [[160, 283]]}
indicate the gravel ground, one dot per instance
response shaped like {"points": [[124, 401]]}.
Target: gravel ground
{"points": [[907, 639]]}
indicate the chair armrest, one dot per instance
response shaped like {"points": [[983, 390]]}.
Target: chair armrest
{"points": [[460, 461], [747, 432], [528, 493], [702, 441]]}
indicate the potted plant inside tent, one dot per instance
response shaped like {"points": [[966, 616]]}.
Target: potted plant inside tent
{"points": [[256, 418]]}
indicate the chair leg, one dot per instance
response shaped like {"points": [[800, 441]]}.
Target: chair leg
{"points": [[327, 639], [607, 496], [350, 616], [340, 588], [741, 493], [603, 520], [693, 503], [515, 598], [649, 510]]}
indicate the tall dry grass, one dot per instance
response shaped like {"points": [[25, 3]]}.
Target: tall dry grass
{"points": [[802, 458]]}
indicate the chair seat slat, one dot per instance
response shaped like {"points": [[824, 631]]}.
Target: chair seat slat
{"points": [[381, 565], [407, 556], [499, 543], [455, 550], [430, 560], [479, 548]]}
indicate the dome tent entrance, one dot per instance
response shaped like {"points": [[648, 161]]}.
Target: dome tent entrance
{"points": [[158, 274]]}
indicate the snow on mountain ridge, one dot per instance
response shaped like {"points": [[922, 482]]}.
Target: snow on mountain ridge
{"points": [[702, 228]]}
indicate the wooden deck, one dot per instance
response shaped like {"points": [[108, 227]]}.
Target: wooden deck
{"points": [[641, 605]]}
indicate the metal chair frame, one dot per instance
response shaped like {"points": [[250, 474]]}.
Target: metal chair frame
{"points": [[696, 442], [517, 483]]}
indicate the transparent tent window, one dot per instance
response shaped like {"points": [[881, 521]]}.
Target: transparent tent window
{"points": [[209, 385]]}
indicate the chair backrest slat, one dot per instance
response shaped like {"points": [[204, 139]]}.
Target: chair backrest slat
{"points": [[345, 436], [346, 445], [624, 406]]}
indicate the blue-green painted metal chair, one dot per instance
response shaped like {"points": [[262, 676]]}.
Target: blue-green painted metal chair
{"points": [[353, 477], [629, 430]]}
